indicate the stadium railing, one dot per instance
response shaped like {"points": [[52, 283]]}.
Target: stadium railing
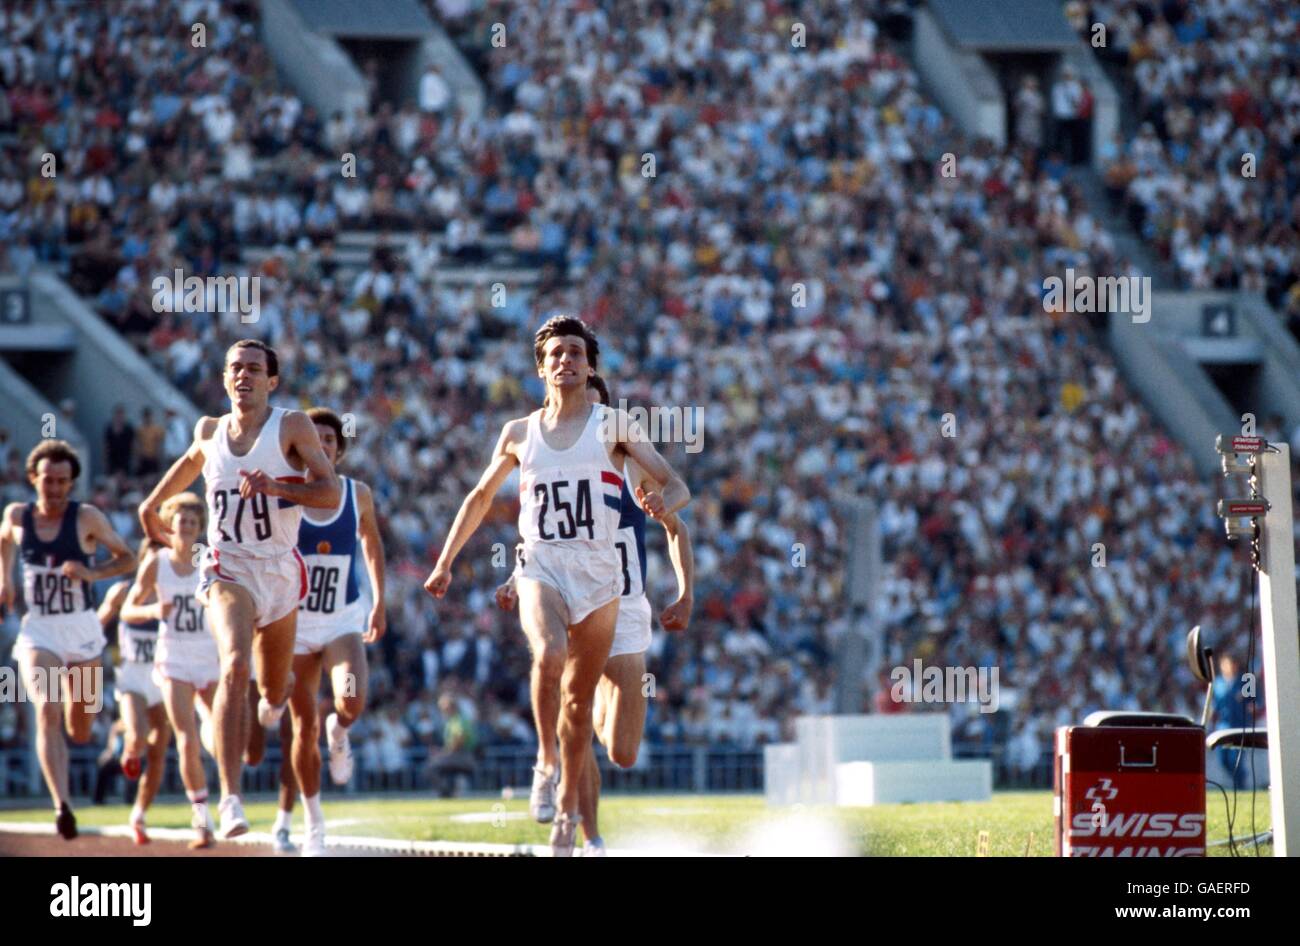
{"points": [[662, 768]]}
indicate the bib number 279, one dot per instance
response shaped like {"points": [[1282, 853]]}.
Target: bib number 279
{"points": [[261, 514]]}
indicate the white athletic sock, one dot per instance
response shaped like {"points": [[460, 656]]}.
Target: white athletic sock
{"points": [[283, 820], [199, 802], [137, 813], [311, 806]]}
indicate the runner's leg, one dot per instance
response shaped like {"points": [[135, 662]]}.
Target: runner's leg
{"points": [[255, 747], [38, 668], [542, 613], [231, 614], [85, 698], [589, 643], [624, 719], [178, 698], [160, 737], [273, 646], [288, 782], [349, 674], [306, 723], [135, 715]]}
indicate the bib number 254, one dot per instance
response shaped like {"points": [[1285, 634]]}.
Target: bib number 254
{"points": [[572, 509]]}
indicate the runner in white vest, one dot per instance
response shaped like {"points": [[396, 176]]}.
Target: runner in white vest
{"points": [[139, 699], [570, 459], [57, 538], [618, 716], [186, 664], [259, 464]]}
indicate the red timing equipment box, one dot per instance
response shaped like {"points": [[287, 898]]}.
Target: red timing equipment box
{"points": [[1130, 785]]}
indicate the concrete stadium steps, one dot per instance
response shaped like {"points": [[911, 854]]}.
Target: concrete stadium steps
{"points": [[90, 371], [1128, 243], [318, 47], [353, 248]]}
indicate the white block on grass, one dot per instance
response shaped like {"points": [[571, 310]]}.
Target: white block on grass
{"points": [[887, 783], [826, 741]]}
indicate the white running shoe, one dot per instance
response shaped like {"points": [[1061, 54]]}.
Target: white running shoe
{"points": [[282, 844], [563, 833], [268, 716], [340, 747], [313, 845], [595, 847], [233, 822], [541, 800]]}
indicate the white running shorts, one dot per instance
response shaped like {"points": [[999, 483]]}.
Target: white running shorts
{"points": [[276, 584], [138, 678], [584, 578], [632, 632]]}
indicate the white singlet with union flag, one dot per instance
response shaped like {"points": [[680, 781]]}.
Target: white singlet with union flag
{"points": [[569, 498], [261, 526]]}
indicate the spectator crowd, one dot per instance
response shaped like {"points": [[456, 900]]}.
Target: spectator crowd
{"points": [[1211, 176], [851, 322]]}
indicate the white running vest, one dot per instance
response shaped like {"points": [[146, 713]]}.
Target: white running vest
{"points": [[570, 497], [136, 642], [261, 527], [186, 623]]}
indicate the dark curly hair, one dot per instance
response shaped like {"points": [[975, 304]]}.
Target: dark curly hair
{"points": [[560, 325], [56, 451]]}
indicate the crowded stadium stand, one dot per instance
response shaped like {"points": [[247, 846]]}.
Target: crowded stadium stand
{"points": [[794, 262]]}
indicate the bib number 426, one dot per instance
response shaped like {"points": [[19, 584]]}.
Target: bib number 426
{"points": [[52, 593]]}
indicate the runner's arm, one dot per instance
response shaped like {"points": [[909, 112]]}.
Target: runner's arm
{"points": [[100, 530], [677, 615], [675, 494], [135, 610], [321, 489], [8, 548], [372, 550], [178, 478], [112, 603], [473, 509], [681, 554]]}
